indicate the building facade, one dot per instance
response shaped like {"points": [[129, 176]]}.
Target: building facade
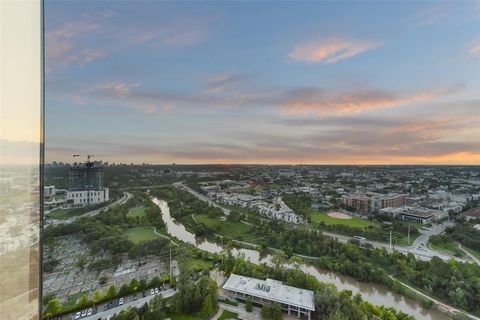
{"points": [[86, 197], [371, 202]]}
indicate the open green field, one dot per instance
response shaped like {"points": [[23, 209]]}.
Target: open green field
{"points": [[199, 264], [450, 247], [137, 235], [62, 214], [228, 315], [137, 212], [235, 230], [356, 222]]}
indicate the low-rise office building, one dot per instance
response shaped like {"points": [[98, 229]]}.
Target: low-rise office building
{"points": [[87, 197], [291, 299]]}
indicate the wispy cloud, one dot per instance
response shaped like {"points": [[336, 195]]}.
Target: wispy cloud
{"points": [[322, 102], [430, 16], [96, 36], [330, 51], [220, 83], [62, 45], [474, 48], [120, 89]]}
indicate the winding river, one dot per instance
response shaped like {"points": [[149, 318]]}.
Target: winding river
{"points": [[374, 293]]}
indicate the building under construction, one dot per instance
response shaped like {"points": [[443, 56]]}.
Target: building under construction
{"points": [[86, 184]]}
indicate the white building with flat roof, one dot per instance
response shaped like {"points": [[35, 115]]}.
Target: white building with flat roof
{"points": [[87, 197], [291, 299]]}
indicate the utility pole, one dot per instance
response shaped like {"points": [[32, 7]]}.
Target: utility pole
{"points": [[170, 264], [408, 233], [391, 240]]}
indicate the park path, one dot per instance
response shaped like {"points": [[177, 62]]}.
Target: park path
{"points": [[442, 305], [477, 261], [164, 236]]}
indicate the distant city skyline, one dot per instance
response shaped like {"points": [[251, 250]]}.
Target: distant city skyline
{"points": [[263, 82]]}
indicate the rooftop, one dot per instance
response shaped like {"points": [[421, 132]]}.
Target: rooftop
{"points": [[271, 289], [474, 212]]}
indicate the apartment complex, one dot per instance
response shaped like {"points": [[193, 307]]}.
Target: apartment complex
{"points": [[86, 185], [369, 202]]}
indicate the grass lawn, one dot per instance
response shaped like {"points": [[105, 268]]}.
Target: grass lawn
{"points": [[356, 222], [62, 214], [137, 235], [234, 230], [199, 264], [450, 247], [228, 315], [403, 241], [137, 212]]}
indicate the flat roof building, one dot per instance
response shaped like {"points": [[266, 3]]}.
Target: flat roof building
{"points": [[291, 299]]}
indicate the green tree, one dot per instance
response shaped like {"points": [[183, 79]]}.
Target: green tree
{"points": [[53, 307], [248, 304], [83, 301], [155, 282], [111, 292], [276, 312], [207, 307], [134, 285], [97, 296], [124, 290], [142, 284], [266, 312]]}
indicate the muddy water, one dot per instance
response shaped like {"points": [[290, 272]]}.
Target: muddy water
{"points": [[374, 293]]}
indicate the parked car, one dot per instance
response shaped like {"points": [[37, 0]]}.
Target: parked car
{"points": [[77, 315], [105, 306], [152, 291], [84, 313], [156, 290], [89, 312], [120, 302]]}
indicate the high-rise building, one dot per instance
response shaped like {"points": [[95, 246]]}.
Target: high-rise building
{"points": [[86, 185]]}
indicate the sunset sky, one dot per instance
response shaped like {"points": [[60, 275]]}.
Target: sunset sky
{"points": [[264, 82]]}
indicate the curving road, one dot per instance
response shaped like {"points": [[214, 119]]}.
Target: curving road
{"points": [[126, 196]]}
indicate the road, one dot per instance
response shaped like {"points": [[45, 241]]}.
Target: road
{"points": [[420, 250], [129, 302], [180, 185], [126, 196]]}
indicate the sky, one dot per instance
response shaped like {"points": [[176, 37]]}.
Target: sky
{"points": [[263, 82]]}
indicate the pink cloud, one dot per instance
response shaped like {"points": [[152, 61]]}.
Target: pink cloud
{"points": [[325, 102], [62, 44], [120, 89], [329, 51]]}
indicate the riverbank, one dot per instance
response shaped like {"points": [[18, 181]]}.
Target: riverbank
{"points": [[374, 293]]}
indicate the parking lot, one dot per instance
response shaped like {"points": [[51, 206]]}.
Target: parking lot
{"points": [[67, 281]]}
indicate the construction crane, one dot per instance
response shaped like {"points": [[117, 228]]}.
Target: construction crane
{"points": [[88, 156]]}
